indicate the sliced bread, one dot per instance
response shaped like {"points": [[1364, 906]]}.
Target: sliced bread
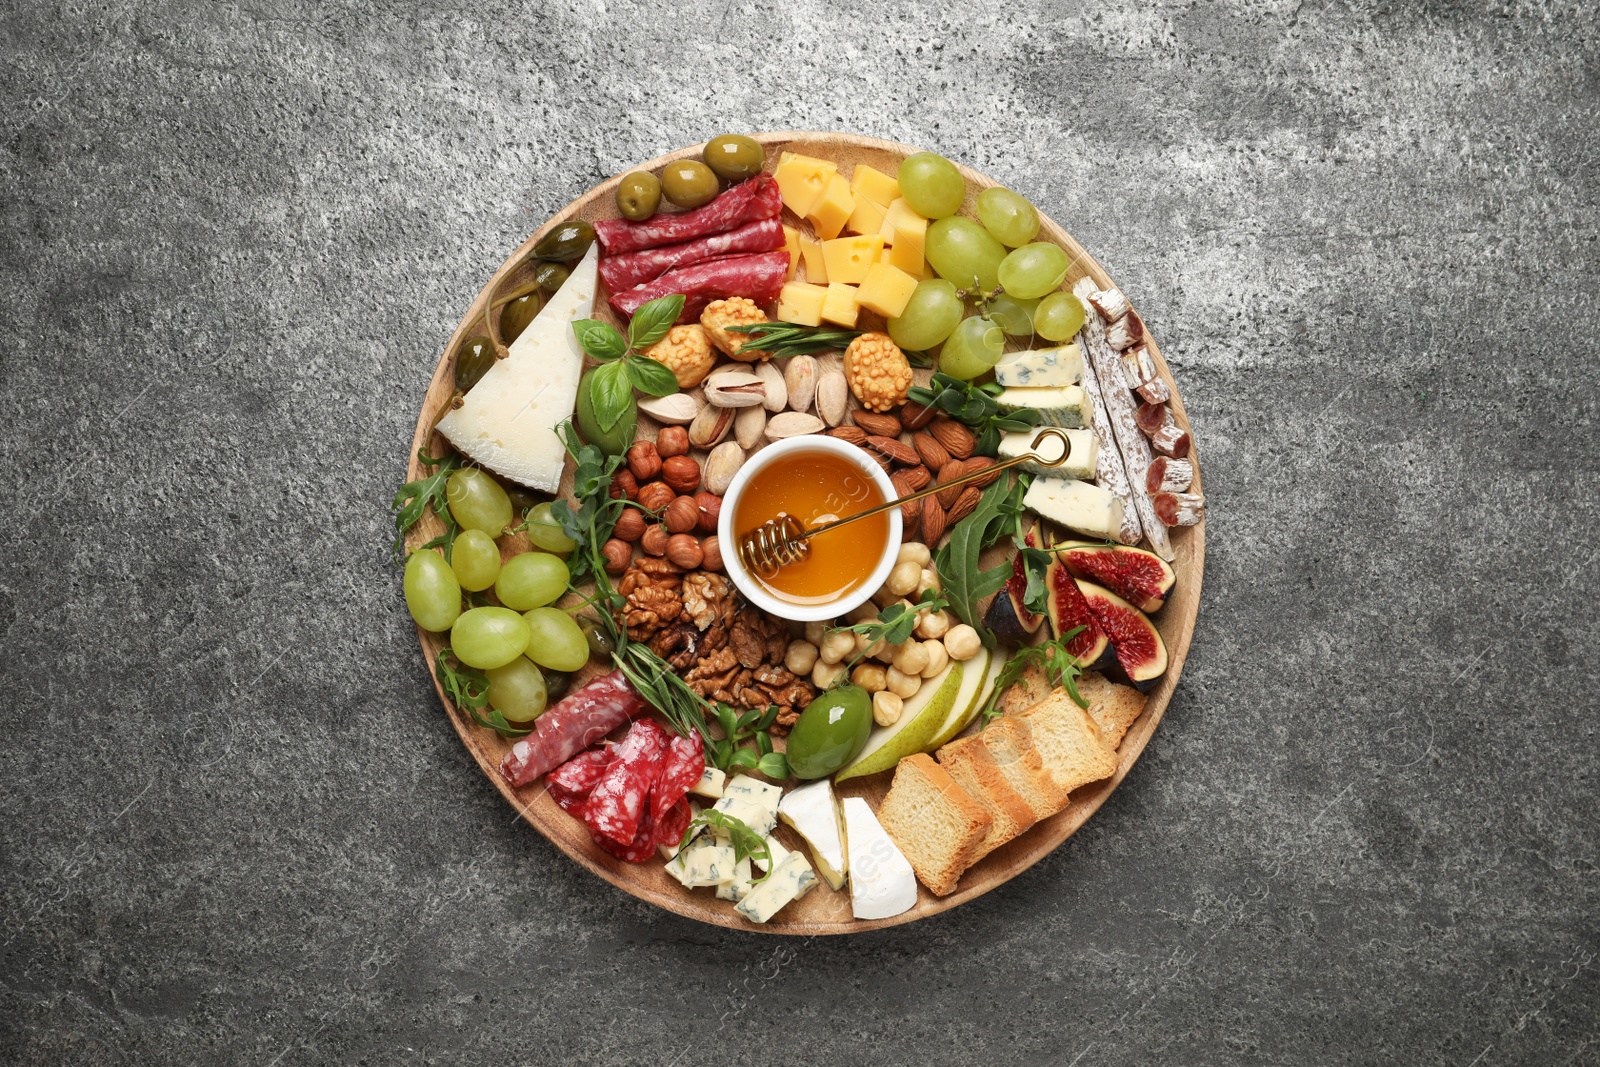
{"points": [[1071, 745], [934, 822], [974, 770], [1009, 743], [1026, 691], [1113, 707]]}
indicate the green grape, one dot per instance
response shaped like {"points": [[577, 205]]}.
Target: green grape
{"points": [[931, 185], [477, 501], [517, 690], [1058, 316], [487, 638], [1014, 316], [928, 317], [556, 640], [531, 580], [545, 532], [475, 560], [973, 348], [1033, 270], [962, 251], [432, 593], [1010, 217]]}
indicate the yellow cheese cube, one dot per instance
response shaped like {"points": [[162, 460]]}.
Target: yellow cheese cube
{"points": [[886, 290], [874, 185], [802, 182], [791, 241], [840, 305], [835, 207], [906, 256], [847, 258], [900, 223], [801, 303], [811, 252], [867, 217]]}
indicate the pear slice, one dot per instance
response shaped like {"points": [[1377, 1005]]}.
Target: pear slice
{"points": [[956, 723], [921, 718]]}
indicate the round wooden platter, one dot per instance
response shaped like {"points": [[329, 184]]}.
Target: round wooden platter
{"points": [[822, 911]]}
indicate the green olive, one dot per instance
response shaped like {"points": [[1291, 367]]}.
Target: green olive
{"points": [[473, 360], [556, 684], [829, 732], [515, 316], [689, 183], [523, 499], [638, 195], [550, 276], [600, 646], [734, 157], [567, 241]]}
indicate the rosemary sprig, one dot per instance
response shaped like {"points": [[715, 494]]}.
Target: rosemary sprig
{"points": [[785, 339]]}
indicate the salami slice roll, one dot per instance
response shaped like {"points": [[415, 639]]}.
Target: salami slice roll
{"points": [[640, 848], [759, 277], [581, 773], [620, 800], [748, 201], [683, 767], [631, 269], [577, 721], [671, 823]]}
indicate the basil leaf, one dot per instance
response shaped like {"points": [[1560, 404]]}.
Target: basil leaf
{"points": [[651, 377], [774, 765], [652, 321], [610, 394], [599, 340]]}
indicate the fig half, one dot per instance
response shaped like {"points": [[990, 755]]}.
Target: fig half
{"points": [[1007, 616], [1137, 644], [1142, 578], [1069, 609]]}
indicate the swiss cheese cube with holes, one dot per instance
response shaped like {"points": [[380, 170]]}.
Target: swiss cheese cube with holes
{"points": [[848, 258], [803, 181]]}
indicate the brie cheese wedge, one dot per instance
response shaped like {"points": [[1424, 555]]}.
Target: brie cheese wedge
{"points": [[814, 815], [882, 883]]}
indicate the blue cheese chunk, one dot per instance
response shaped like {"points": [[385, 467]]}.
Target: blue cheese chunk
{"points": [[789, 881], [736, 887], [778, 852], [1082, 461], [759, 819], [710, 783], [1080, 506], [762, 794], [703, 863], [1065, 406], [1041, 367]]}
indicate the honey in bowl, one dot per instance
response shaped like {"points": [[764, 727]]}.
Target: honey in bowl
{"points": [[817, 487]]}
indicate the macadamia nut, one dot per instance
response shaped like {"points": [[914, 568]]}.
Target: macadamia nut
{"points": [[962, 642], [914, 552], [824, 674], [886, 708], [800, 657], [815, 631], [928, 579]]}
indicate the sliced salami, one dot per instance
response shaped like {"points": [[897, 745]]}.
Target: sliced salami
{"points": [[1171, 440], [684, 765], [672, 823], [637, 850], [620, 800], [577, 721], [581, 773], [1180, 509], [624, 272], [1110, 474], [1151, 417], [757, 198], [759, 277], [1169, 475]]}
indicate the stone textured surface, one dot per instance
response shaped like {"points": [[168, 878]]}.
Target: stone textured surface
{"points": [[236, 827]]}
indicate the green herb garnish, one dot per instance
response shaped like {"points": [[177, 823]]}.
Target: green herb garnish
{"points": [[785, 339], [623, 367], [974, 406], [892, 626], [998, 514], [1060, 668], [747, 844], [415, 498]]}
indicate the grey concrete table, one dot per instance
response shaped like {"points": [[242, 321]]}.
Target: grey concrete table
{"points": [[236, 826]]}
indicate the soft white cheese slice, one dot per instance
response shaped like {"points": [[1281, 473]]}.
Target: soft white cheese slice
{"points": [[882, 882], [814, 814], [1080, 506], [507, 422]]}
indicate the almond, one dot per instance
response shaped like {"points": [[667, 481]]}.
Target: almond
{"points": [[950, 472], [932, 521], [895, 450], [956, 438], [854, 435], [932, 452], [916, 477], [915, 416], [877, 425], [965, 505], [978, 463]]}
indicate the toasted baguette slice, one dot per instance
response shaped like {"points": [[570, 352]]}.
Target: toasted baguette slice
{"points": [[1026, 691], [1009, 743], [934, 822], [974, 770], [1073, 749], [1113, 707]]}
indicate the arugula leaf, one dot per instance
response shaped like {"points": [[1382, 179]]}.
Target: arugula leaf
{"points": [[612, 393], [415, 498], [1060, 667], [599, 340], [998, 514], [651, 377], [747, 844], [652, 321]]}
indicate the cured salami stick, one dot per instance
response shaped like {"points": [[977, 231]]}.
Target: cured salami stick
{"points": [[623, 272], [757, 198], [577, 721], [1109, 471], [759, 277], [1123, 417]]}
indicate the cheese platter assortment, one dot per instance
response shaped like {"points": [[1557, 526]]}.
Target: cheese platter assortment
{"points": [[624, 544]]}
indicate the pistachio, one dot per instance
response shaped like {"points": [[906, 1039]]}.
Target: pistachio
{"points": [[792, 424], [676, 409], [833, 395], [735, 389], [777, 397], [710, 426], [721, 465], [748, 424], [800, 380]]}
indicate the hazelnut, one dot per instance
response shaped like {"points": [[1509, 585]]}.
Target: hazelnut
{"points": [[655, 540], [655, 496], [901, 684], [672, 441], [911, 658], [630, 525], [915, 552], [903, 579], [815, 632], [871, 677], [938, 658], [836, 646], [932, 624], [962, 642], [644, 461], [685, 551], [712, 548], [824, 674], [681, 515], [886, 708], [681, 473], [709, 505], [624, 486], [800, 657], [618, 555]]}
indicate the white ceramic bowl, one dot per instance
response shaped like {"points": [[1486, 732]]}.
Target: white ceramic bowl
{"points": [[748, 584]]}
